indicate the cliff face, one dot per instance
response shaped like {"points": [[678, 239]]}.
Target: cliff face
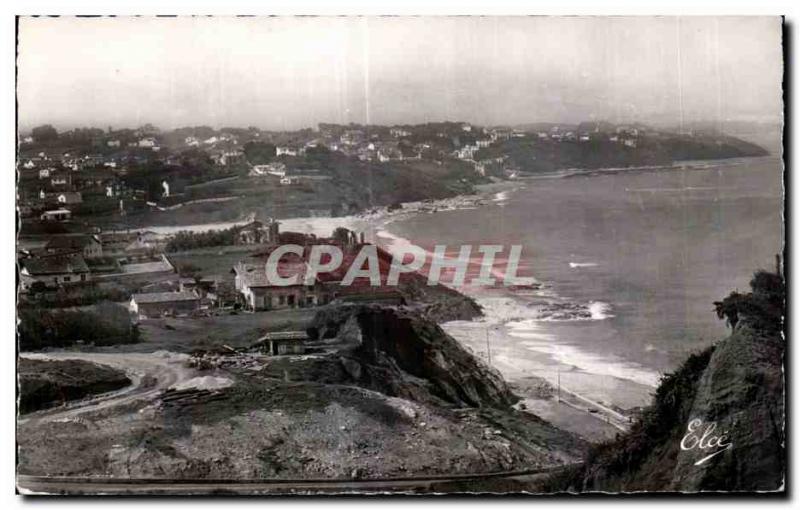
{"points": [[741, 391], [403, 353], [738, 387]]}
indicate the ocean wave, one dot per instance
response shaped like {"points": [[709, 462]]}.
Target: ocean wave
{"points": [[500, 197], [596, 363], [574, 265], [534, 337], [569, 311]]}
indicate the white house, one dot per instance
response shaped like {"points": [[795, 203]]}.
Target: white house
{"points": [[56, 215], [288, 151]]}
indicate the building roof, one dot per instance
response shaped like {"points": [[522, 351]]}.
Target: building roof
{"points": [[57, 211], [285, 335], [255, 275], [164, 297], [72, 242], [71, 196], [56, 265]]}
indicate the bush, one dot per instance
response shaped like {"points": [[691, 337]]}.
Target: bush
{"points": [[184, 240], [108, 324], [75, 295], [762, 309]]}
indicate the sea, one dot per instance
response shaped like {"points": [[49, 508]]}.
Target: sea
{"points": [[626, 267]]}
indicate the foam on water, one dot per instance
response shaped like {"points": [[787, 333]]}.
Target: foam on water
{"points": [[582, 264]]}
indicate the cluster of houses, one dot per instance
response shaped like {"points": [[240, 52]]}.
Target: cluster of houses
{"points": [[258, 292], [627, 136], [68, 259], [255, 292]]}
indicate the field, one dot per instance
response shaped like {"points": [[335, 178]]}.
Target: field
{"points": [[238, 331], [214, 262]]}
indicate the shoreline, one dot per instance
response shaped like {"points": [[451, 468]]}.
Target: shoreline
{"points": [[579, 387], [380, 215]]}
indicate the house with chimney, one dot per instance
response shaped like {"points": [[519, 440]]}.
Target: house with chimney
{"points": [[53, 271]]}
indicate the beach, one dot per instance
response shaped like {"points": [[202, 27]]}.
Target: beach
{"points": [[621, 278], [626, 264]]}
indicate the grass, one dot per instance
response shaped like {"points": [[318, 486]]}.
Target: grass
{"points": [[216, 261], [240, 330]]}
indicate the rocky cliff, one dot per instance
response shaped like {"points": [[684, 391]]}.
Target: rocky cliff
{"points": [[403, 353], [717, 423], [400, 352]]}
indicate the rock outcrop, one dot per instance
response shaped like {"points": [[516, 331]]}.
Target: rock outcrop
{"points": [[716, 423], [404, 355], [738, 387]]}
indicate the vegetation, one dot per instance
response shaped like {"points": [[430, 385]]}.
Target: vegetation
{"points": [[75, 295], [762, 309], [185, 240], [536, 155], [661, 424], [259, 153], [44, 134], [108, 324], [44, 384]]}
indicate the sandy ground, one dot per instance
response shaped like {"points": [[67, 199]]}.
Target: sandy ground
{"points": [[582, 406]]}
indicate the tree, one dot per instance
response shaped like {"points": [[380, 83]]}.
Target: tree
{"points": [[763, 309], [44, 134], [731, 308], [259, 153]]}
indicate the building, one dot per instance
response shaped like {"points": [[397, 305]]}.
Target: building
{"points": [[256, 232], [259, 294], [147, 142], [53, 271], [56, 215], [284, 342], [69, 198], [60, 179], [276, 168], [230, 158], [164, 304], [44, 173], [399, 132], [288, 151], [89, 246]]}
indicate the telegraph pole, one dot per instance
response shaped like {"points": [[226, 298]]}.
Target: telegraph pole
{"points": [[488, 350], [558, 384]]}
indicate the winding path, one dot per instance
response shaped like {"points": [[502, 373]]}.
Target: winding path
{"points": [[150, 374]]}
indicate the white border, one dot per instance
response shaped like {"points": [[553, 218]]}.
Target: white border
{"points": [[406, 7]]}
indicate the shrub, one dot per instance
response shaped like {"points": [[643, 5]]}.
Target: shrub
{"points": [[107, 324]]}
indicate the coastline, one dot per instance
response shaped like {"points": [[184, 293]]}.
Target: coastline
{"points": [[378, 217], [596, 406], [595, 392]]}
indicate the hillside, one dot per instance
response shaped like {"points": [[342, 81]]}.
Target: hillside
{"points": [[386, 393], [737, 385], [534, 155]]}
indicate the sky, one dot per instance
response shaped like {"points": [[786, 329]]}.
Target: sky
{"points": [[285, 73]]}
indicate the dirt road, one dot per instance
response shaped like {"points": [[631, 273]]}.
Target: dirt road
{"points": [[150, 374]]}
